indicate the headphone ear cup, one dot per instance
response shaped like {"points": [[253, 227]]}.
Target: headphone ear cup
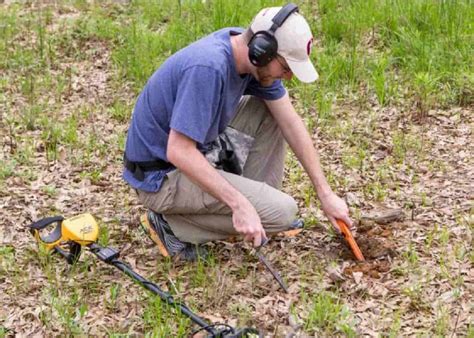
{"points": [[263, 48]]}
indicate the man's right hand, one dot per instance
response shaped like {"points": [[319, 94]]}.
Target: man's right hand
{"points": [[247, 222]]}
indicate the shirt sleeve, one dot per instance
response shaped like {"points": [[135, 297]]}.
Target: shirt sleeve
{"points": [[197, 102], [274, 92]]}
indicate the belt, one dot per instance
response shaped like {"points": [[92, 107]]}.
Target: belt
{"points": [[138, 169]]}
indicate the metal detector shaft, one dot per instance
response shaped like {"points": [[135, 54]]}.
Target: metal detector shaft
{"points": [[109, 256]]}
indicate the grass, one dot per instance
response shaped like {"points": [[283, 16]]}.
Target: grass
{"points": [[379, 61], [395, 325], [328, 316], [158, 316]]}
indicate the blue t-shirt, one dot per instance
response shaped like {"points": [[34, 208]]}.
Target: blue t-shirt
{"points": [[195, 92]]}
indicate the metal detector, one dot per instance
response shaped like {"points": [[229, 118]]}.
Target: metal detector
{"points": [[83, 230]]}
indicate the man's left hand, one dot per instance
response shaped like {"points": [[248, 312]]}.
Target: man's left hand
{"points": [[335, 208]]}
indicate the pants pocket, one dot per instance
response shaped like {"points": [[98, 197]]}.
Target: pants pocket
{"points": [[160, 201], [187, 197]]}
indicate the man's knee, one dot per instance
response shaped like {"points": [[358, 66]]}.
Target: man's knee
{"points": [[285, 209], [290, 210]]}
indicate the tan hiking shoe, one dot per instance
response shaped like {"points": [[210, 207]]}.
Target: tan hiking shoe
{"points": [[159, 231]]}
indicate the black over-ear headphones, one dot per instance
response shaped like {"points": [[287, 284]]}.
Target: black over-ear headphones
{"points": [[263, 45]]}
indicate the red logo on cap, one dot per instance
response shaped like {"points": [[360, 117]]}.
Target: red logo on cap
{"points": [[309, 46]]}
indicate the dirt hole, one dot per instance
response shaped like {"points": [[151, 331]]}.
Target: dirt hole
{"points": [[377, 245]]}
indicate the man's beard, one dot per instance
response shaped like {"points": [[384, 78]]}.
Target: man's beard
{"points": [[264, 77]]}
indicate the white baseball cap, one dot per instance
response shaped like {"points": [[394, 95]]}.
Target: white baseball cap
{"points": [[294, 41]]}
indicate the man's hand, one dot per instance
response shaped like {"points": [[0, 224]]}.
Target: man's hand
{"points": [[335, 208], [247, 222]]}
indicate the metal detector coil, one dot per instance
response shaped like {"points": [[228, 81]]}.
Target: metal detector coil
{"points": [[82, 229]]}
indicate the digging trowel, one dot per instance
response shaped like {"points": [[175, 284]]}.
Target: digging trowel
{"points": [[350, 240]]}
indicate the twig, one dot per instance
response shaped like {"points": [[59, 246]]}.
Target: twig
{"points": [[456, 323]]}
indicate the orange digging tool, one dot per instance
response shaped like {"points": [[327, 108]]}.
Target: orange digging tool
{"points": [[350, 239]]}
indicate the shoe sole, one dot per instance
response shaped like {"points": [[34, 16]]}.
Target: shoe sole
{"points": [[145, 224], [289, 233]]}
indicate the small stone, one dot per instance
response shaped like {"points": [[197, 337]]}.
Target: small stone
{"points": [[352, 200], [335, 274], [357, 276]]}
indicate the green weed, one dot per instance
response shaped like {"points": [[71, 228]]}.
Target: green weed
{"points": [[376, 190], [414, 291], [202, 276], [328, 316], [324, 103], [66, 309], [396, 325], [70, 135], [384, 86], [24, 153], [354, 158], [7, 255], [444, 236], [120, 111], [430, 236], [51, 134], [114, 292], [425, 86], [243, 311], [7, 169], [31, 115], [104, 235], [162, 320], [411, 256], [470, 331], [121, 139], [4, 331], [442, 321], [50, 190]]}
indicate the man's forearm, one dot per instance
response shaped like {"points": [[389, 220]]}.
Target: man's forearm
{"points": [[194, 165], [301, 144]]}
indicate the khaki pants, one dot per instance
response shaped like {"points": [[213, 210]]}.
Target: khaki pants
{"points": [[197, 217]]}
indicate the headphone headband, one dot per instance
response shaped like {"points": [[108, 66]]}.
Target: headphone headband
{"points": [[282, 15]]}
